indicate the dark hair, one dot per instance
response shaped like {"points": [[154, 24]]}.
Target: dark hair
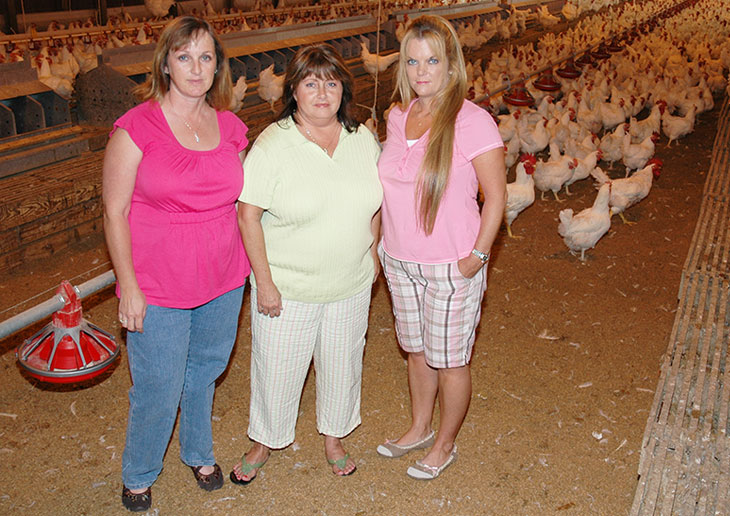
{"points": [[178, 33], [324, 62]]}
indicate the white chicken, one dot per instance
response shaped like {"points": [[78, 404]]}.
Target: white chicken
{"points": [[640, 129], [511, 151], [674, 127], [637, 154], [553, 174], [584, 230], [535, 140], [239, 92], [546, 19], [158, 8], [376, 63], [507, 125], [61, 85], [583, 168], [630, 190], [570, 11], [612, 114], [611, 145], [521, 193], [271, 87]]}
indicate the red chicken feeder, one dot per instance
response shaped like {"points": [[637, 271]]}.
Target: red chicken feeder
{"points": [[585, 60], [569, 71], [69, 349], [614, 46], [546, 82], [600, 53], [519, 96]]}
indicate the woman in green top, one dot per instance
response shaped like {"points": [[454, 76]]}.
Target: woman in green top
{"points": [[309, 214]]}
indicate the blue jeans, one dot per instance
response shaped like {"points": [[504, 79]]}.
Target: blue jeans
{"points": [[176, 362]]}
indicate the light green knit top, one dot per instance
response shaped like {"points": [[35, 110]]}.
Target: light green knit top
{"points": [[318, 210]]}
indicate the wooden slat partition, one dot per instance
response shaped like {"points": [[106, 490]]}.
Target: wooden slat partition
{"points": [[685, 456]]}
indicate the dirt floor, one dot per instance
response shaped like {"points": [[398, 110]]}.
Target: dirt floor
{"points": [[564, 370]]}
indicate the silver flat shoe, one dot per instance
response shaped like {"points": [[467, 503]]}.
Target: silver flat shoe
{"points": [[421, 471], [393, 451]]}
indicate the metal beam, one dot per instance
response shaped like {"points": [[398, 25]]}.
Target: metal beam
{"points": [[54, 304]]}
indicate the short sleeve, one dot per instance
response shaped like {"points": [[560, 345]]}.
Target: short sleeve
{"points": [[260, 176], [131, 121], [239, 130], [372, 143], [477, 132]]}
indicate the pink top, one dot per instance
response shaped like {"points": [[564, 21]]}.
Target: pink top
{"points": [[186, 246], [458, 219]]}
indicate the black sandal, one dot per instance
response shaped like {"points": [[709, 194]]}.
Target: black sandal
{"points": [[211, 481], [137, 502]]}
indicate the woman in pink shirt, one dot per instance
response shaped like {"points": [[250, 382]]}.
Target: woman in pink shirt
{"points": [[435, 241], [172, 176]]}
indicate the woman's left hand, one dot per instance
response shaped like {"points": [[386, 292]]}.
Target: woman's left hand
{"points": [[469, 266]]}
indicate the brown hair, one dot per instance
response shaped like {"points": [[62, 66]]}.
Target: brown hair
{"points": [[436, 165], [324, 62], [178, 33]]}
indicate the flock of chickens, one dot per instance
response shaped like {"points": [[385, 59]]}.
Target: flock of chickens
{"points": [[669, 61], [59, 55], [671, 68]]}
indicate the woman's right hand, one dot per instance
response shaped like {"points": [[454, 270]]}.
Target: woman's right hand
{"points": [[268, 299], [132, 309]]}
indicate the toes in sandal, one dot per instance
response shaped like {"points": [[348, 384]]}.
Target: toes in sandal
{"points": [[247, 468], [211, 481], [137, 502], [341, 464]]}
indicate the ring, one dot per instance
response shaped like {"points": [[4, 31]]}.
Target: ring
{"points": [[123, 320]]}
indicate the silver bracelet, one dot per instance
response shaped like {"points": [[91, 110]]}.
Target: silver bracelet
{"points": [[484, 257]]}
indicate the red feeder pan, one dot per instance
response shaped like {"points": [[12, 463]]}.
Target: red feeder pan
{"points": [[569, 71], [546, 82], [600, 53], [585, 60], [614, 47], [69, 349], [519, 96]]}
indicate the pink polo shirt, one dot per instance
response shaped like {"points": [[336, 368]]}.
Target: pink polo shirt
{"points": [[458, 219]]}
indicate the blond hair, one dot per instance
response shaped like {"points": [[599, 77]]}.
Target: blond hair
{"points": [[436, 166], [178, 33]]}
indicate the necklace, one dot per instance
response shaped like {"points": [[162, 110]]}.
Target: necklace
{"points": [[195, 133], [314, 140]]}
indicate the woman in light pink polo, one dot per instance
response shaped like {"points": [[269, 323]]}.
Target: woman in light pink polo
{"points": [[435, 240]]}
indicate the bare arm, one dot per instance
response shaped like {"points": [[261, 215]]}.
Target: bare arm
{"points": [[249, 222], [375, 229], [491, 175], [121, 160]]}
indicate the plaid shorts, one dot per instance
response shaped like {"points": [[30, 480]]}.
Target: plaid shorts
{"points": [[436, 309]]}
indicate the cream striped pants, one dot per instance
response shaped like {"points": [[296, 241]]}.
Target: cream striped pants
{"points": [[333, 334]]}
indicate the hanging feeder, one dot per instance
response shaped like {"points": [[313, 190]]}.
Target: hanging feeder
{"points": [[569, 70], [68, 349], [600, 52], [585, 60], [614, 46], [546, 82], [518, 96]]}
